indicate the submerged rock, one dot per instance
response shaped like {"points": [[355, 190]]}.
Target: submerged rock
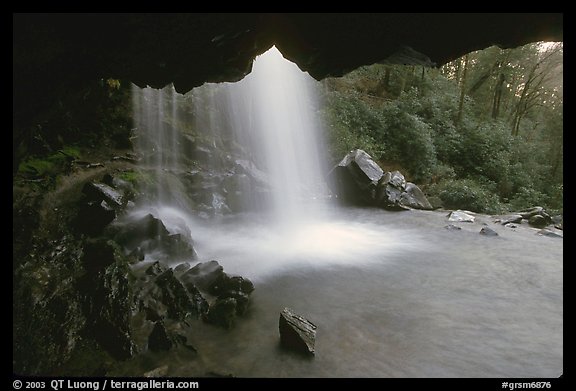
{"points": [[296, 332], [488, 232], [460, 216], [452, 227], [506, 219], [545, 232]]}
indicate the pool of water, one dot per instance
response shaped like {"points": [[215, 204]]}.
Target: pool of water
{"points": [[394, 294]]}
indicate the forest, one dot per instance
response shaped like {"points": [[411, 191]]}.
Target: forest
{"points": [[482, 133]]}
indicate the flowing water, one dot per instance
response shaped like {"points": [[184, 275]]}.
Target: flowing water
{"points": [[394, 294]]}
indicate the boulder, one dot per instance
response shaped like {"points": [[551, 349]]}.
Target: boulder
{"points": [[101, 192], [225, 284], [296, 332], [460, 216], [222, 313], [415, 198], [488, 232], [93, 217], [158, 339], [178, 246], [527, 213], [176, 298], [355, 178], [358, 179], [203, 275], [98, 254], [108, 298], [156, 269], [538, 221], [452, 227]]}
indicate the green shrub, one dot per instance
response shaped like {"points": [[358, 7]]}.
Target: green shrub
{"points": [[467, 194]]}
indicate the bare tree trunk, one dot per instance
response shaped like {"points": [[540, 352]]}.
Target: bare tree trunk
{"points": [[462, 90], [497, 96]]}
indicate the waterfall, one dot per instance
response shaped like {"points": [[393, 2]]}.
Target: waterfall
{"points": [[264, 127]]}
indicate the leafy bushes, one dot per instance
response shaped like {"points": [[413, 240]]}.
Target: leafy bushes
{"points": [[467, 194], [470, 163]]}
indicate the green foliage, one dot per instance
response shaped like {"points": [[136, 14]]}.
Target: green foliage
{"points": [[467, 194], [481, 159], [136, 177], [51, 165]]}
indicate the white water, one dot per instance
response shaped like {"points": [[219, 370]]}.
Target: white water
{"points": [[276, 119]]}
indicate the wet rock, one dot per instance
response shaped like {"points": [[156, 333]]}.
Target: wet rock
{"points": [[108, 298], [460, 216], [452, 227], [156, 269], [203, 275], [98, 254], [394, 193], [506, 219], [415, 198], [538, 221], [158, 339], [125, 187], [355, 178], [558, 221], [135, 232], [157, 372], [151, 235], [545, 232], [527, 213], [177, 246], [137, 255], [93, 217], [296, 332], [225, 284], [101, 192], [256, 176], [488, 232], [181, 269], [222, 313], [175, 297]]}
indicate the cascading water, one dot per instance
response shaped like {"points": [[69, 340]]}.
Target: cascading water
{"points": [[274, 117], [270, 116]]}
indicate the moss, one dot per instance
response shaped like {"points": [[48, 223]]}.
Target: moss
{"points": [[50, 165], [137, 177]]}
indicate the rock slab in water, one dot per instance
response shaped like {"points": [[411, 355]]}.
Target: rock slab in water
{"points": [[296, 332], [460, 216], [488, 232]]}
